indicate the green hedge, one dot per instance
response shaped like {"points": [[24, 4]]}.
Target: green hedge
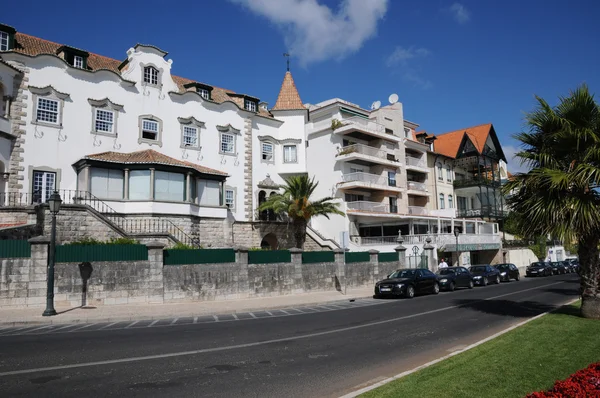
{"points": [[318, 257], [269, 256], [358, 257], [79, 253], [387, 257], [14, 249], [198, 256]]}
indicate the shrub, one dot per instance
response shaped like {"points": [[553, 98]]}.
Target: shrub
{"points": [[183, 246], [88, 241]]}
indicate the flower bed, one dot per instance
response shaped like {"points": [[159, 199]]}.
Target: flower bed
{"points": [[583, 384]]}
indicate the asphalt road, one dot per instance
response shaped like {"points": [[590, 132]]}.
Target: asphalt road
{"points": [[320, 354]]}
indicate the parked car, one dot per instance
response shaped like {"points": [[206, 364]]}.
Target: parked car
{"points": [[559, 268], [408, 283], [484, 274], [452, 277], [539, 268], [573, 264], [508, 272]]}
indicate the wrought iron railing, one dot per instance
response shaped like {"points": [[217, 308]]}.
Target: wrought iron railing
{"points": [[483, 211]]}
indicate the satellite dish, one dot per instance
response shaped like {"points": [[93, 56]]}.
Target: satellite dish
{"points": [[375, 105], [393, 98]]}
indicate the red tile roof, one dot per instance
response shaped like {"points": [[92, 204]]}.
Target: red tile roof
{"points": [[31, 45], [288, 98], [447, 144], [150, 156]]}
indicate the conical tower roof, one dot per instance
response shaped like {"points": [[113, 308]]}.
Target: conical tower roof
{"points": [[288, 98]]}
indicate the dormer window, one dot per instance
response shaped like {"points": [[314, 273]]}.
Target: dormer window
{"points": [[4, 40], [249, 105], [7, 37], [75, 57], [78, 61], [204, 93], [151, 75]]}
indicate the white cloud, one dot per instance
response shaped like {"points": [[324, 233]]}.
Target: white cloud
{"points": [[460, 13], [314, 32], [513, 164], [402, 58]]}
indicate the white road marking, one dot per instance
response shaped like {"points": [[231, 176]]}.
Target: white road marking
{"points": [[153, 323], [61, 328], [253, 316], [216, 318], [82, 327], [41, 327], [235, 317], [109, 325], [285, 312], [195, 319], [269, 313], [174, 321], [131, 324]]}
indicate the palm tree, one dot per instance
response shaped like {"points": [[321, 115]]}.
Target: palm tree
{"points": [[560, 194], [294, 202]]}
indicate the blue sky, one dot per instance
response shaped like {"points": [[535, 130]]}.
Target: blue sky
{"points": [[453, 64]]}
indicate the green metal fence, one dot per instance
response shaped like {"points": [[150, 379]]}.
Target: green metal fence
{"points": [[318, 257], [387, 257], [269, 256], [200, 256], [14, 249], [358, 257], [78, 253]]}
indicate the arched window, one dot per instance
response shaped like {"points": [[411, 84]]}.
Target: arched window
{"points": [[262, 198], [442, 205], [151, 75], [450, 202], [440, 171]]}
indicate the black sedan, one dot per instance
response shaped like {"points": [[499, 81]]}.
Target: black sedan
{"points": [[559, 267], [407, 283], [485, 274], [508, 272], [450, 278], [539, 268]]}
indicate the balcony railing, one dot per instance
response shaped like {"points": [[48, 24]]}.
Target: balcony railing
{"points": [[378, 240], [374, 207], [363, 150], [417, 186], [364, 177], [412, 161], [365, 124], [418, 210], [439, 239], [473, 182], [484, 211]]}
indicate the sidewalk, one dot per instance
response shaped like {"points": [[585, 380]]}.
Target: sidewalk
{"points": [[113, 313]]}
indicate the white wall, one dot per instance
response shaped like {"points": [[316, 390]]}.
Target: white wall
{"points": [[521, 257]]}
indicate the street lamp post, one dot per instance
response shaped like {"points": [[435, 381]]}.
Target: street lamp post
{"points": [[456, 233], [54, 202]]}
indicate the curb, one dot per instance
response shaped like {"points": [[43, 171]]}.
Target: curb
{"points": [[428, 364], [124, 318]]}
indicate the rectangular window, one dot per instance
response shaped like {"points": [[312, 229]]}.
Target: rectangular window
{"points": [[391, 178], [393, 204], [150, 129], [227, 143], [190, 136], [204, 93], [350, 197], [229, 198], [78, 61], [250, 105], [43, 185], [448, 174], [290, 154], [267, 151], [440, 172], [151, 75], [107, 183], [47, 110], [209, 192], [355, 170], [442, 203], [139, 185], [450, 202], [104, 121], [3, 41], [169, 186]]}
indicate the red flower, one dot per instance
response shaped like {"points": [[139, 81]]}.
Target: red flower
{"points": [[584, 383]]}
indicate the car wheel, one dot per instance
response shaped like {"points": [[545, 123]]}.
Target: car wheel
{"points": [[497, 279], [410, 292], [471, 285], [517, 278], [485, 281], [436, 288], [376, 296], [451, 287]]}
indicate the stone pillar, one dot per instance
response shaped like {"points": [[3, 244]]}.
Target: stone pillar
{"points": [[374, 260], [428, 249], [297, 262], [188, 187], [152, 184], [339, 256], [401, 251], [197, 191], [155, 281], [38, 274], [241, 259], [464, 227], [126, 189], [86, 177]]}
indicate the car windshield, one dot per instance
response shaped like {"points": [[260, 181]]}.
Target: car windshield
{"points": [[502, 266], [446, 272], [403, 273], [555, 264], [537, 264], [480, 268]]}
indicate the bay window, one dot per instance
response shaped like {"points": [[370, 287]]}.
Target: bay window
{"points": [[169, 186], [107, 183]]}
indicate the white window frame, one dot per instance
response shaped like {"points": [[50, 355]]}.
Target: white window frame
{"points": [[190, 123], [187, 130], [448, 174], [104, 105], [450, 202], [4, 41], [266, 155], [97, 120], [440, 172], [442, 202], [151, 75], [249, 105], [294, 152], [159, 128], [40, 110], [78, 61], [230, 202], [48, 93], [204, 93], [222, 141]]}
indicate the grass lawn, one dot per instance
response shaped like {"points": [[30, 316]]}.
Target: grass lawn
{"points": [[527, 359]]}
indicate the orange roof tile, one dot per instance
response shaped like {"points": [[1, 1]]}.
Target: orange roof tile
{"points": [[447, 144], [31, 45], [288, 98], [150, 156]]}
